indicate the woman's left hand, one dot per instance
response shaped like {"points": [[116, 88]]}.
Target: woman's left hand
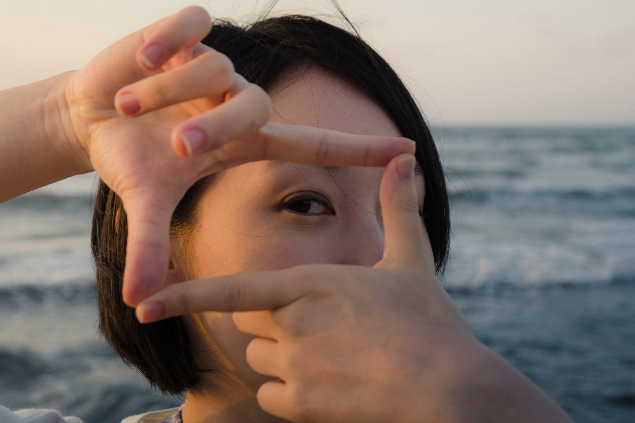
{"points": [[160, 91], [362, 344]]}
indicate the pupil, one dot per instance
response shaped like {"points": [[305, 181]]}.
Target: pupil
{"points": [[302, 206]]}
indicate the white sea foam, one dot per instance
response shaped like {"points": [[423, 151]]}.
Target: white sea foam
{"points": [[47, 268]]}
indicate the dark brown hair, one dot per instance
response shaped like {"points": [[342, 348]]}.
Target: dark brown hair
{"points": [[262, 53]]}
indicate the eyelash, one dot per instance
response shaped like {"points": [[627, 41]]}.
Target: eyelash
{"points": [[320, 199], [307, 198]]}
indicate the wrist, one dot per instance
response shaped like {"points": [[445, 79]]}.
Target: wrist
{"points": [[489, 389], [37, 140], [59, 126]]}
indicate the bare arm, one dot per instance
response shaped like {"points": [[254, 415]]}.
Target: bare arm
{"points": [[37, 147]]}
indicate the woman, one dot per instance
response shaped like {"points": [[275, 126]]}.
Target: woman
{"points": [[354, 327]]}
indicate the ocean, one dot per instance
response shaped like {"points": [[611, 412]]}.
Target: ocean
{"points": [[542, 265]]}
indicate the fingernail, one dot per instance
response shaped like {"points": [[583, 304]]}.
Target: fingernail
{"points": [[127, 104], [150, 312], [406, 168], [152, 56], [193, 140]]}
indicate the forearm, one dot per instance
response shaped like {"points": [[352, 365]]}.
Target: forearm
{"points": [[37, 141]]}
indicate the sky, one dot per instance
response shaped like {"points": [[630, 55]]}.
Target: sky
{"points": [[468, 62]]}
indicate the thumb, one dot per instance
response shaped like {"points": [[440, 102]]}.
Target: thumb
{"points": [[147, 249], [403, 228]]}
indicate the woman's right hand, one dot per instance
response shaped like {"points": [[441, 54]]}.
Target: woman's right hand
{"points": [[349, 343], [160, 91]]}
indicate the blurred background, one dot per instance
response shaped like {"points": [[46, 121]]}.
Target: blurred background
{"points": [[532, 107]]}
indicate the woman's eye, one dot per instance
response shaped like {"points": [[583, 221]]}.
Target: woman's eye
{"points": [[308, 205]]}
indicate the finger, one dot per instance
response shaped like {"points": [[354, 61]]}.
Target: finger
{"points": [[147, 249], [246, 109], [309, 145], [275, 398], [239, 292], [123, 62], [403, 229], [211, 74], [170, 35], [323, 147], [258, 323], [263, 357], [406, 242]]}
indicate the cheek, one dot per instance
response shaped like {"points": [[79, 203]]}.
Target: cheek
{"points": [[240, 254], [284, 252]]}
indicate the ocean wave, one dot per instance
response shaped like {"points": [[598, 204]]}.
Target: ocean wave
{"points": [[616, 202], [48, 266], [479, 194], [475, 266], [19, 368], [25, 296]]}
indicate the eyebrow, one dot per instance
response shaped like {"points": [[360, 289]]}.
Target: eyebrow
{"points": [[336, 170]]}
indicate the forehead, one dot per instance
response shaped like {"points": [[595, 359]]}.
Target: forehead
{"points": [[320, 98]]}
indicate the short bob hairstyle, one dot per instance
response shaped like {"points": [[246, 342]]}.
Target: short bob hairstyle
{"points": [[262, 53]]}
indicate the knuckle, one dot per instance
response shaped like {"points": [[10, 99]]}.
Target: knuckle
{"points": [[222, 69], [409, 205], [322, 150], [368, 155], [300, 399], [159, 96], [233, 296], [292, 360]]}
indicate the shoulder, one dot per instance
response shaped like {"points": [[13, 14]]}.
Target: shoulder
{"points": [[33, 415], [162, 416]]}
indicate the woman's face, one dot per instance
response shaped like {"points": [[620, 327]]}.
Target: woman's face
{"points": [[270, 215]]}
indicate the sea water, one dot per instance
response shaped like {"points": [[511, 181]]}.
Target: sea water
{"points": [[543, 267]]}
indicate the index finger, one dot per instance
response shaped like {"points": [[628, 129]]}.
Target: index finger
{"points": [[239, 292], [313, 146]]}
